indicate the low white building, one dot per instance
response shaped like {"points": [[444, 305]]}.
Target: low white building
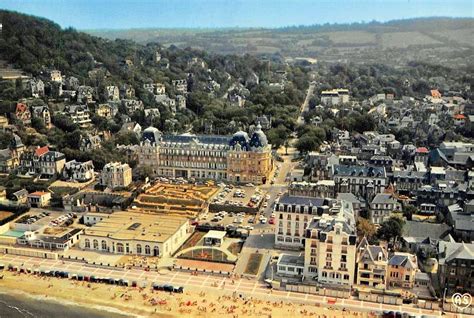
{"points": [[290, 265], [136, 233]]}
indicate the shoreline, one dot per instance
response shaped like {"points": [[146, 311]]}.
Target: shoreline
{"points": [[139, 302], [64, 302]]}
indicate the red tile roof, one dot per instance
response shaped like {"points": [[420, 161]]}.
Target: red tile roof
{"points": [[435, 93], [41, 151], [422, 150], [38, 193], [20, 107]]}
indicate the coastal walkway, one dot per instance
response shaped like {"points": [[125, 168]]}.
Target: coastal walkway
{"points": [[225, 285]]}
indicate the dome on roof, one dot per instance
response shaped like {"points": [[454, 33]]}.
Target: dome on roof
{"points": [[241, 138], [259, 139]]}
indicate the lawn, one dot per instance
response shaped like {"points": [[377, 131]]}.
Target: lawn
{"points": [[253, 264]]}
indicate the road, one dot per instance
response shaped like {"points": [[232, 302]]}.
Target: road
{"points": [[220, 285], [305, 105]]}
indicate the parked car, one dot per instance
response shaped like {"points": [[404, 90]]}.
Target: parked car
{"points": [[263, 220], [271, 221]]}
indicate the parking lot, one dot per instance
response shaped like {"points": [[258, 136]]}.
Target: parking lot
{"points": [[239, 196], [238, 220]]}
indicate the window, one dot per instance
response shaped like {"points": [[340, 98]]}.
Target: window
{"points": [[96, 244], [325, 274], [104, 245], [147, 250], [119, 247], [139, 249], [407, 277], [87, 243], [346, 277], [280, 238]]}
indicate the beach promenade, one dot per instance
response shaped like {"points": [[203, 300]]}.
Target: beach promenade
{"points": [[242, 288]]}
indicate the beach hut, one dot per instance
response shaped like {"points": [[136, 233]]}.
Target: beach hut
{"points": [[80, 277], [134, 283], [2, 266], [73, 276], [126, 283]]}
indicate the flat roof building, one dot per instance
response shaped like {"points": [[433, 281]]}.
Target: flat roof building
{"points": [[128, 232]]}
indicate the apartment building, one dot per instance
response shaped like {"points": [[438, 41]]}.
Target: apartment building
{"points": [[382, 206], [402, 269], [330, 247], [363, 181], [116, 175], [456, 267], [334, 97], [42, 161], [79, 115], [371, 264], [293, 214]]}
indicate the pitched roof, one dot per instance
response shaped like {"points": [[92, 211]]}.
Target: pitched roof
{"points": [[383, 198], [422, 150], [41, 151], [402, 259], [449, 251], [425, 230]]}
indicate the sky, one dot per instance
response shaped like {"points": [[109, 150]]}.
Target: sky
{"points": [[125, 14]]}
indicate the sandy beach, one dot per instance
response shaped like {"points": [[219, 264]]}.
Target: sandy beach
{"points": [[140, 302]]}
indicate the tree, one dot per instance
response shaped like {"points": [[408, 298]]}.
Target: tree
{"points": [[306, 144], [144, 171], [408, 211], [391, 229], [366, 228]]}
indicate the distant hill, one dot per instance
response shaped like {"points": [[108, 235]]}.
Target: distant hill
{"points": [[397, 42]]}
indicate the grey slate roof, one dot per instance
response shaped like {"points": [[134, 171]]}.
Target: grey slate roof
{"points": [[304, 201], [291, 260], [383, 198], [401, 260], [425, 230], [448, 251], [365, 171], [205, 139]]}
